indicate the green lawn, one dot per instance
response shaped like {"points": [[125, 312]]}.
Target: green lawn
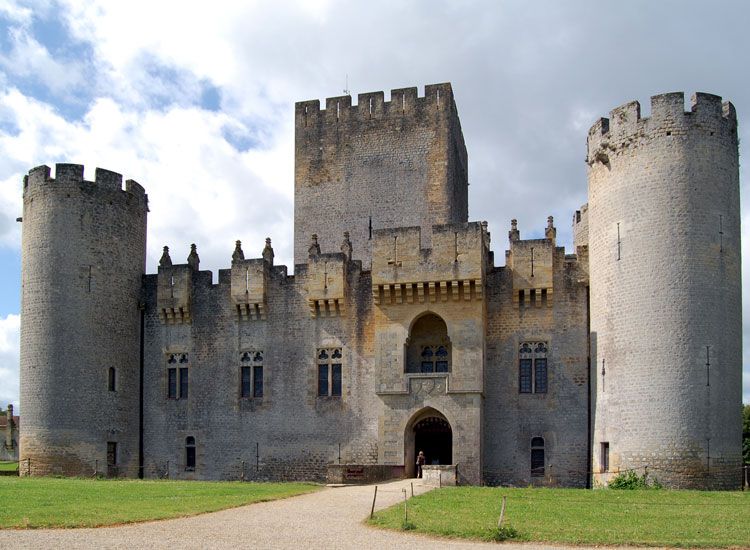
{"points": [[576, 516], [58, 502], [8, 466]]}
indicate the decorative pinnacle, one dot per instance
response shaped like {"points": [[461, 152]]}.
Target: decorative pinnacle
{"points": [[238, 254], [314, 249], [514, 234], [346, 247], [485, 235], [268, 251], [550, 233], [193, 260], [165, 260]]}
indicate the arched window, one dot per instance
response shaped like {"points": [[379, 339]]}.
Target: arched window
{"points": [[429, 348], [111, 379], [532, 367], [537, 456], [190, 454]]}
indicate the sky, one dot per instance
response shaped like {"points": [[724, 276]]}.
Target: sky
{"points": [[196, 102]]}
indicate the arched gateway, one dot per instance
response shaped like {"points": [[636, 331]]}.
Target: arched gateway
{"points": [[430, 432]]}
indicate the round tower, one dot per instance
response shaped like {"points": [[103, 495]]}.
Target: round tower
{"points": [[83, 257], [666, 323]]}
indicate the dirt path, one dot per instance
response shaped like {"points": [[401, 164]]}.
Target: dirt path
{"points": [[331, 519]]}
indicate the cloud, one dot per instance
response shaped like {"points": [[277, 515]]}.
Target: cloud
{"points": [[9, 356]]}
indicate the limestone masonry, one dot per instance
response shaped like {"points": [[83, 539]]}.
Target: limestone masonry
{"points": [[397, 332]]}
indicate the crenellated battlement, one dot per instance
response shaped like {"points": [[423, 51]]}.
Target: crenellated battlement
{"points": [[455, 265], [372, 106], [73, 174], [626, 128]]}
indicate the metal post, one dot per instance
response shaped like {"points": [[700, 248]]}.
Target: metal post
{"points": [[339, 453], [242, 477], [257, 456], [372, 510], [96, 467]]}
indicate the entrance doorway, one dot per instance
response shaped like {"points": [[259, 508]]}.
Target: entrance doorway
{"points": [[434, 437]]}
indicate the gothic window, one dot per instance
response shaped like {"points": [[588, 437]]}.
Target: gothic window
{"points": [[251, 374], [429, 348], [329, 372], [190, 454], [532, 367], [111, 379], [537, 456], [177, 376]]}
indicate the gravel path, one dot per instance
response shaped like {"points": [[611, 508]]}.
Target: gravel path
{"points": [[331, 519]]}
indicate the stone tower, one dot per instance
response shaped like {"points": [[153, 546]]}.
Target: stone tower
{"points": [[83, 249], [666, 341], [377, 165]]}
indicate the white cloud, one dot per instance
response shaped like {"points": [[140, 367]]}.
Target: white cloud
{"points": [[28, 58], [9, 356], [201, 188]]}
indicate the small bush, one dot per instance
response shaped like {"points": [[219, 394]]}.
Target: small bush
{"points": [[500, 534], [630, 480]]}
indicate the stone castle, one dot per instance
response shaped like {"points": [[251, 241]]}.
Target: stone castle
{"points": [[397, 331]]}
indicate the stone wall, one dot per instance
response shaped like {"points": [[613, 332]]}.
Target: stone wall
{"points": [[295, 433], [557, 318]]}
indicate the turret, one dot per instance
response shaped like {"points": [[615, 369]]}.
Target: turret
{"points": [[83, 255], [666, 326]]}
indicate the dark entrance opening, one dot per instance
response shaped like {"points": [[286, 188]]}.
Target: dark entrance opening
{"points": [[434, 437]]}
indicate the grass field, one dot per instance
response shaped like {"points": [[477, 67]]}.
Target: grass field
{"points": [[576, 516], [57, 502], [8, 466]]}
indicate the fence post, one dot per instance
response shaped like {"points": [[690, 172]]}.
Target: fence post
{"points": [[242, 477], [28, 466], [502, 514], [96, 467], [406, 513], [372, 510]]}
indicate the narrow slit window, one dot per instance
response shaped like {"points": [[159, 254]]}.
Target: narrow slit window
{"points": [[336, 380], [537, 457], [322, 380], [172, 383], [258, 381], [112, 379], [245, 381], [190, 454], [604, 459], [183, 383]]}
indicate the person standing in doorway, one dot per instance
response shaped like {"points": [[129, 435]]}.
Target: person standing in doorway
{"points": [[420, 463]]}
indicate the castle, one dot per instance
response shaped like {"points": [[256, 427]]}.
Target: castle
{"points": [[397, 331]]}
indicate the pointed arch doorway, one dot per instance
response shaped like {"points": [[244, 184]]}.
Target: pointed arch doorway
{"points": [[430, 432]]}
